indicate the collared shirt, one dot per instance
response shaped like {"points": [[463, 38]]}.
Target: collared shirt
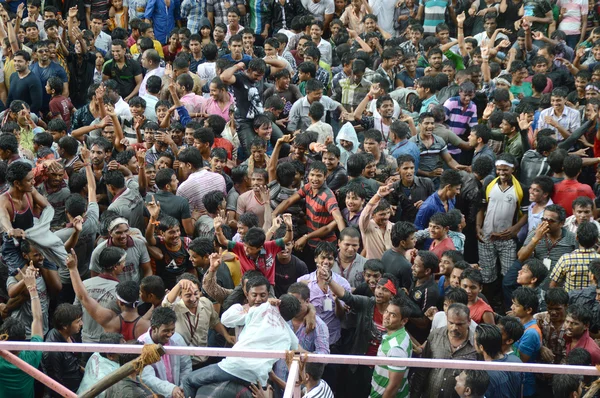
{"points": [[571, 225], [353, 273], [430, 206], [212, 107], [545, 249], [125, 77], [319, 208], [299, 113], [459, 117], [552, 338], [353, 21], [514, 146], [154, 72], [217, 7], [349, 93], [326, 53], [570, 120], [195, 12], [393, 345], [572, 269], [194, 327], [318, 298], [439, 383], [406, 147], [193, 103], [483, 152], [199, 184], [374, 239], [428, 103], [588, 344], [430, 158]]}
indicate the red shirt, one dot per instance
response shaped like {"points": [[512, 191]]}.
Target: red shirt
{"points": [[566, 191], [376, 341], [265, 262], [588, 344], [478, 309], [61, 105], [439, 248]]}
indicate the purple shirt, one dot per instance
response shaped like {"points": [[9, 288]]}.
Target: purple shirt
{"points": [[199, 184], [460, 118], [317, 299]]}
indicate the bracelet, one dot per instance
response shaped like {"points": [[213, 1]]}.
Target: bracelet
{"points": [[31, 288], [370, 97], [35, 297]]}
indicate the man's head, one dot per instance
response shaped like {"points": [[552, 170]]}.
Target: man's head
{"points": [[558, 99], [479, 136], [578, 321], [450, 183], [372, 271], [67, 319], [21, 60], [505, 167], [199, 250], [325, 255], [541, 189], [439, 225], [19, 174], [425, 265], [162, 325], [587, 235], [471, 281], [525, 302], [459, 319], [532, 273], [555, 216], [256, 69], [488, 339], [472, 383], [349, 243], [257, 291], [567, 386]]}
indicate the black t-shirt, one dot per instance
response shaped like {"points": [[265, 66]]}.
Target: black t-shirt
{"points": [[424, 296], [124, 77], [173, 264], [247, 95], [287, 274], [396, 264]]}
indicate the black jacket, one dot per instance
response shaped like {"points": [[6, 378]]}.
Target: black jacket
{"points": [[62, 366], [275, 13]]}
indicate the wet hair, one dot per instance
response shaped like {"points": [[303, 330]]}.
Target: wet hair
{"points": [[212, 200], [75, 205]]}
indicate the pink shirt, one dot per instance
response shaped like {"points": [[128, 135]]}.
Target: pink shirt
{"points": [[211, 107], [199, 184], [247, 203], [193, 103]]}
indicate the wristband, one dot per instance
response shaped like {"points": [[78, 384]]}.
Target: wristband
{"points": [[370, 97], [35, 297]]}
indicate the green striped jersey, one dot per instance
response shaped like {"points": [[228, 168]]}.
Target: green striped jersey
{"points": [[395, 345]]}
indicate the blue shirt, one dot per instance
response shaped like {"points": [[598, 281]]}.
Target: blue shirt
{"points": [[163, 18], [406, 147], [245, 58], [530, 345], [46, 73], [430, 206]]}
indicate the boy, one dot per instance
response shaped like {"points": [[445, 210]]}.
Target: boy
{"points": [[533, 273], [372, 272], [512, 330], [255, 253], [439, 225], [355, 202], [315, 113], [60, 106], [394, 260], [218, 162], [315, 386], [525, 304], [439, 319], [472, 383], [448, 260], [257, 200], [214, 203], [245, 222], [337, 176], [471, 281], [321, 210]]}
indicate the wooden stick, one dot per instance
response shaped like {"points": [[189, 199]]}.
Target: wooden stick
{"points": [[114, 377]]}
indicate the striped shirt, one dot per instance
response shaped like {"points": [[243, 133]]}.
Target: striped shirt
{"points": [[570, 120], [199, 184], [572, 269], [460, 118], [322, 390], [431, 158], [257, 15], [435, 14], [395, 345], [319, 207]]}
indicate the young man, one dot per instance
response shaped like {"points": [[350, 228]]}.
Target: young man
{"points": [[533, 273], [500, 220], [441, 201], [43, 69], [439, 225], [577, 326], [571, 269], [337, 176], [472, 383], [375, 224], [424, 291], [394, 259], [172, 205], [566, 191], [525, 305], [488, 342], [461, 110], [25, 85], [386, 164], [559, 117], [471, 282], [349, 264], [583, 208], [255, 253], [478, 140], [126, 72], [393, 380]]}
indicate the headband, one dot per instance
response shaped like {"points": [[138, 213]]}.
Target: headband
{"points": [[121, 299], [592, 87], [389, 285], [117, 221], [504, 163]]}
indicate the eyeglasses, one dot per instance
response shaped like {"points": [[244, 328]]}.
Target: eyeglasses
{"points": [[549, 220]]}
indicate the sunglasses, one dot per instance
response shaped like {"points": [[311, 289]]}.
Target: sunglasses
{"points": [[549, 220]]}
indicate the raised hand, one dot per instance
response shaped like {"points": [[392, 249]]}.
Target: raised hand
{"points": [[154, 208], [264, 194], [78, 223], [523, 123], [384, 190], [71, 262], [20, 10], [72, 12], [287, 219], [217, 222], [85, 155], [460, 18], [286, 138], [489, 109], [214, 262]]}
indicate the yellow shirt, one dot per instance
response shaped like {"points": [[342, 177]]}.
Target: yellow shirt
{"points": [[157, 46], [9, 69]]}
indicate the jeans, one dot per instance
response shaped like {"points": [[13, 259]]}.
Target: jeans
{"points": [[208, 375], [509, 283], [572, 40]]}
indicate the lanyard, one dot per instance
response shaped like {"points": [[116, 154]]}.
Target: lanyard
{"points": [[347, 270], [195, 326], [550, 247]]}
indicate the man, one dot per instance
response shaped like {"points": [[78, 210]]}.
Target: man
{"points": [[197, 181], [126, 72], [46, 68], [472, 383], [499, 220], [151, 63], [583, 208], [572, 268], [433, 150], [316, 34], [424, 291], [299, 119], [566, 191], [14, 380], [390, 380], [478, 140], [321, 10], [166, 377], [349, 264], [266, 328], [441, 201], [386, 165], [411, 191], [461, 110], [559, 117], [102, 41], [127, 201], [588, 297], [450, 342], [175, 206], [535, 161], [337, 176], [394, 259], [24, 85], [375, 225], [400, 145], [578, 335], [488, 343], [351, 90]]}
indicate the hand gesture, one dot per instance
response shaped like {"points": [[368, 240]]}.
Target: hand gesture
{"points": [[287, 219], [138, 121], [169, 70], [113, 165], [20, 10], [100, 91], [78, 223], [460, 18], [580, 52], [328, 140], [217, 222], [257, 390], [489, 109], [85, 155], [72, 260], [72, 12], [214, 262], [384, 190], [525, 24], [375, 89], [186, 284], [16, 233], [523, 123], [541, 230], [286, 139], [154, 208], [546, 355], [264, 194], [141, 156], [300, 243], [537, 35], [504, 43], [485, 52], [277, 221], [430, 313], [240, 65], [550, 120], [29, 276]]}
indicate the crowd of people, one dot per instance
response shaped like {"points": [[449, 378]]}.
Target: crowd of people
{"points": [[384, 178]]}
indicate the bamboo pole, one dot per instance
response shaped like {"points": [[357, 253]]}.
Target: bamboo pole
{"points": [[114, 377], [36, 374]]}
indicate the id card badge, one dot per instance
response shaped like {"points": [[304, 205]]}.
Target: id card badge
{"points": [[327, 304], [547, 263]]}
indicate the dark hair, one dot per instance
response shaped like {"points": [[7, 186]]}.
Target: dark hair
{"points": [[354, 165], [300, 289], [374, 265], [580, 313], [255, 237], [114, 178], [474, 275], [572, 166], [163, 177], [75, 205], [16, 171], [162, 316], [456, 295], [402, 230], [324, 248], [527, 298], [192, 156], [512, 327], [545, 183], [316, 111], [14, 329], [65, 314], [289, 306], [202, 246], [450, 177], [314, 370], [564, 385], [482, 131], [538, 270], [430, 261], [477, 380], [582, 201], [490, 338], [250, 220], [8, 142], [129, 293], [441, 219], [556, 296], [110, 257], [587, 234], [212, 200], [594, 268], [579, 356], [69, 145]]}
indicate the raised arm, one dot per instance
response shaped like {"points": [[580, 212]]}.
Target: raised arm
{"points": [[228, 75], [209, 282], [218, 221], [272, 166], [283, 206], [37, 325], [154, 210]]}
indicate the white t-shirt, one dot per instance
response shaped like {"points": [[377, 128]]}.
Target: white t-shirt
{"points": [[319, 9], [264, 329]]}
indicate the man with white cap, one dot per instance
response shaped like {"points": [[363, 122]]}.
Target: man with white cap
{"points": [[137, 262], [499, 220]]}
